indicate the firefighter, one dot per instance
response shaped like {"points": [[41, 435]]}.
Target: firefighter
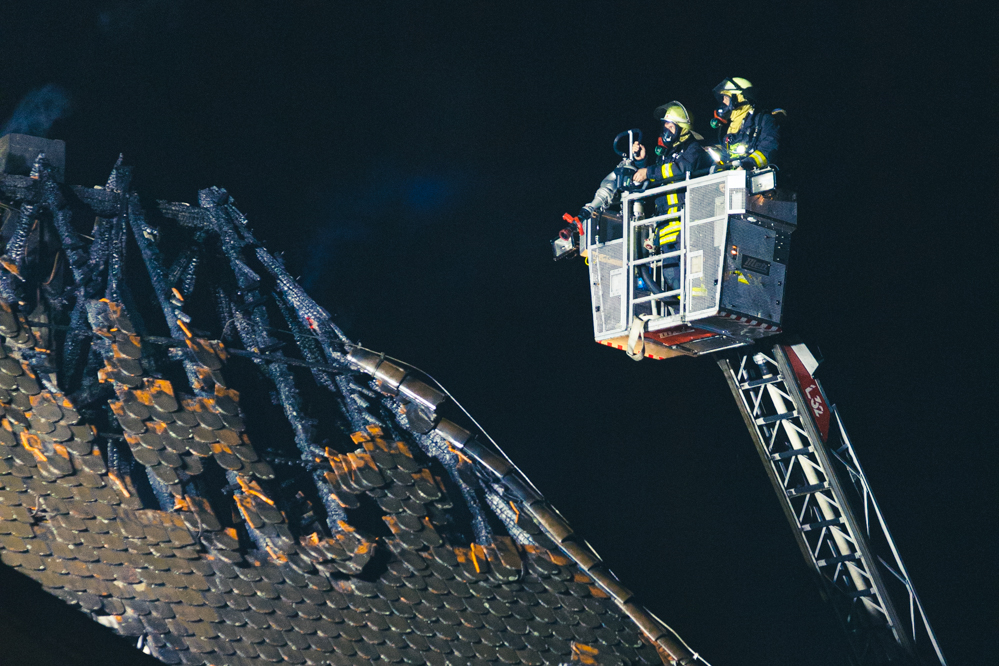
{"points": [[747, 137], [678, 153]]}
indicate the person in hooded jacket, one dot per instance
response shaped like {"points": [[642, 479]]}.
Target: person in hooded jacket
{"points": [[747, 137]]}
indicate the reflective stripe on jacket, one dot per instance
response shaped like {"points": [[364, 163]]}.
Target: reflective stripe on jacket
{"points": [[670, 167], [757, 138]]}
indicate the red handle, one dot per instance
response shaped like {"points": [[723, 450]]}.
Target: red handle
{"points": [[573, 220]]}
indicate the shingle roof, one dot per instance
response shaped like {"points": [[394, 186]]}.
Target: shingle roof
{"points": [[134, 483]]}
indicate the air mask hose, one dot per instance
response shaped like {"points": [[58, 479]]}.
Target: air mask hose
{"points": [[646, 274]]}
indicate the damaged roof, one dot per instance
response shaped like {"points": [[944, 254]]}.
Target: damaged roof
{"points": [[194, 454]]}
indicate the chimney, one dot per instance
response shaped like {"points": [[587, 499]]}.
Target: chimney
{"points": [[18, 153]]}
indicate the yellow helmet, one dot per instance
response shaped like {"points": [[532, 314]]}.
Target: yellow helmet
{"points": [[737, 88], [676, 113]]}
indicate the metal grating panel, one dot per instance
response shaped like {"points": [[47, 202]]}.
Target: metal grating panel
{"points": [[607, 287], [706, 201], [703, 262], [737, 199], [754, 281], [760, 299]]}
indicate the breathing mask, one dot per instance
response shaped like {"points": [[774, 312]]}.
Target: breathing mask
{"points": [[667, 137]]}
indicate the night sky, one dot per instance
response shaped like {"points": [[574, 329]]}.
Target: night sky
{"points": [[413, 160]]}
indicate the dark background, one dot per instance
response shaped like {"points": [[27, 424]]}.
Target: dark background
{"points": [[413, 159]]}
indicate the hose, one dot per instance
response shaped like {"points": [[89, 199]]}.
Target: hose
{"points": [[647, 276]]}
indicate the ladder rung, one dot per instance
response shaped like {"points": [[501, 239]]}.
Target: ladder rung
{"points": [[869, 592], [821, 524], [776, 417], [773, 379], [807, 490], [851, 557], [792, 453]]}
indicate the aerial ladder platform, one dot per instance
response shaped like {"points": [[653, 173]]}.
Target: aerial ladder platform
{"points": [[720, 290]]}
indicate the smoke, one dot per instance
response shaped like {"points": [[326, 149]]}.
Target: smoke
{"points": [[425, 196], [396, 212], [327, 242], [38, 110]]}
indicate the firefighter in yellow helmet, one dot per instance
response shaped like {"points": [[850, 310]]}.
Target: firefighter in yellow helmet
{"points": [[678, 152], [747, 137]]}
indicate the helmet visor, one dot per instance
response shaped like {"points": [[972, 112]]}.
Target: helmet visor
{"points": [[738, 92]]}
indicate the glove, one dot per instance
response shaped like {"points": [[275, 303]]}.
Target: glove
{"points": [[585, 214], [748, 163]]}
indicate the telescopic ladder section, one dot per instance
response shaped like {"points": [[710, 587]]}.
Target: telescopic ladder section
{"points": [[825, 496]]}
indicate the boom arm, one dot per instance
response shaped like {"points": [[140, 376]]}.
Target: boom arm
{"points": [[825, 496]]}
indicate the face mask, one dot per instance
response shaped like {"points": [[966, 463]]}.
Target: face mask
{"points": [[722, 114], [668, 137]]}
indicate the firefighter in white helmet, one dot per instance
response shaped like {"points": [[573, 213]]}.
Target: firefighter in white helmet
{"points": [[747, 137]]}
